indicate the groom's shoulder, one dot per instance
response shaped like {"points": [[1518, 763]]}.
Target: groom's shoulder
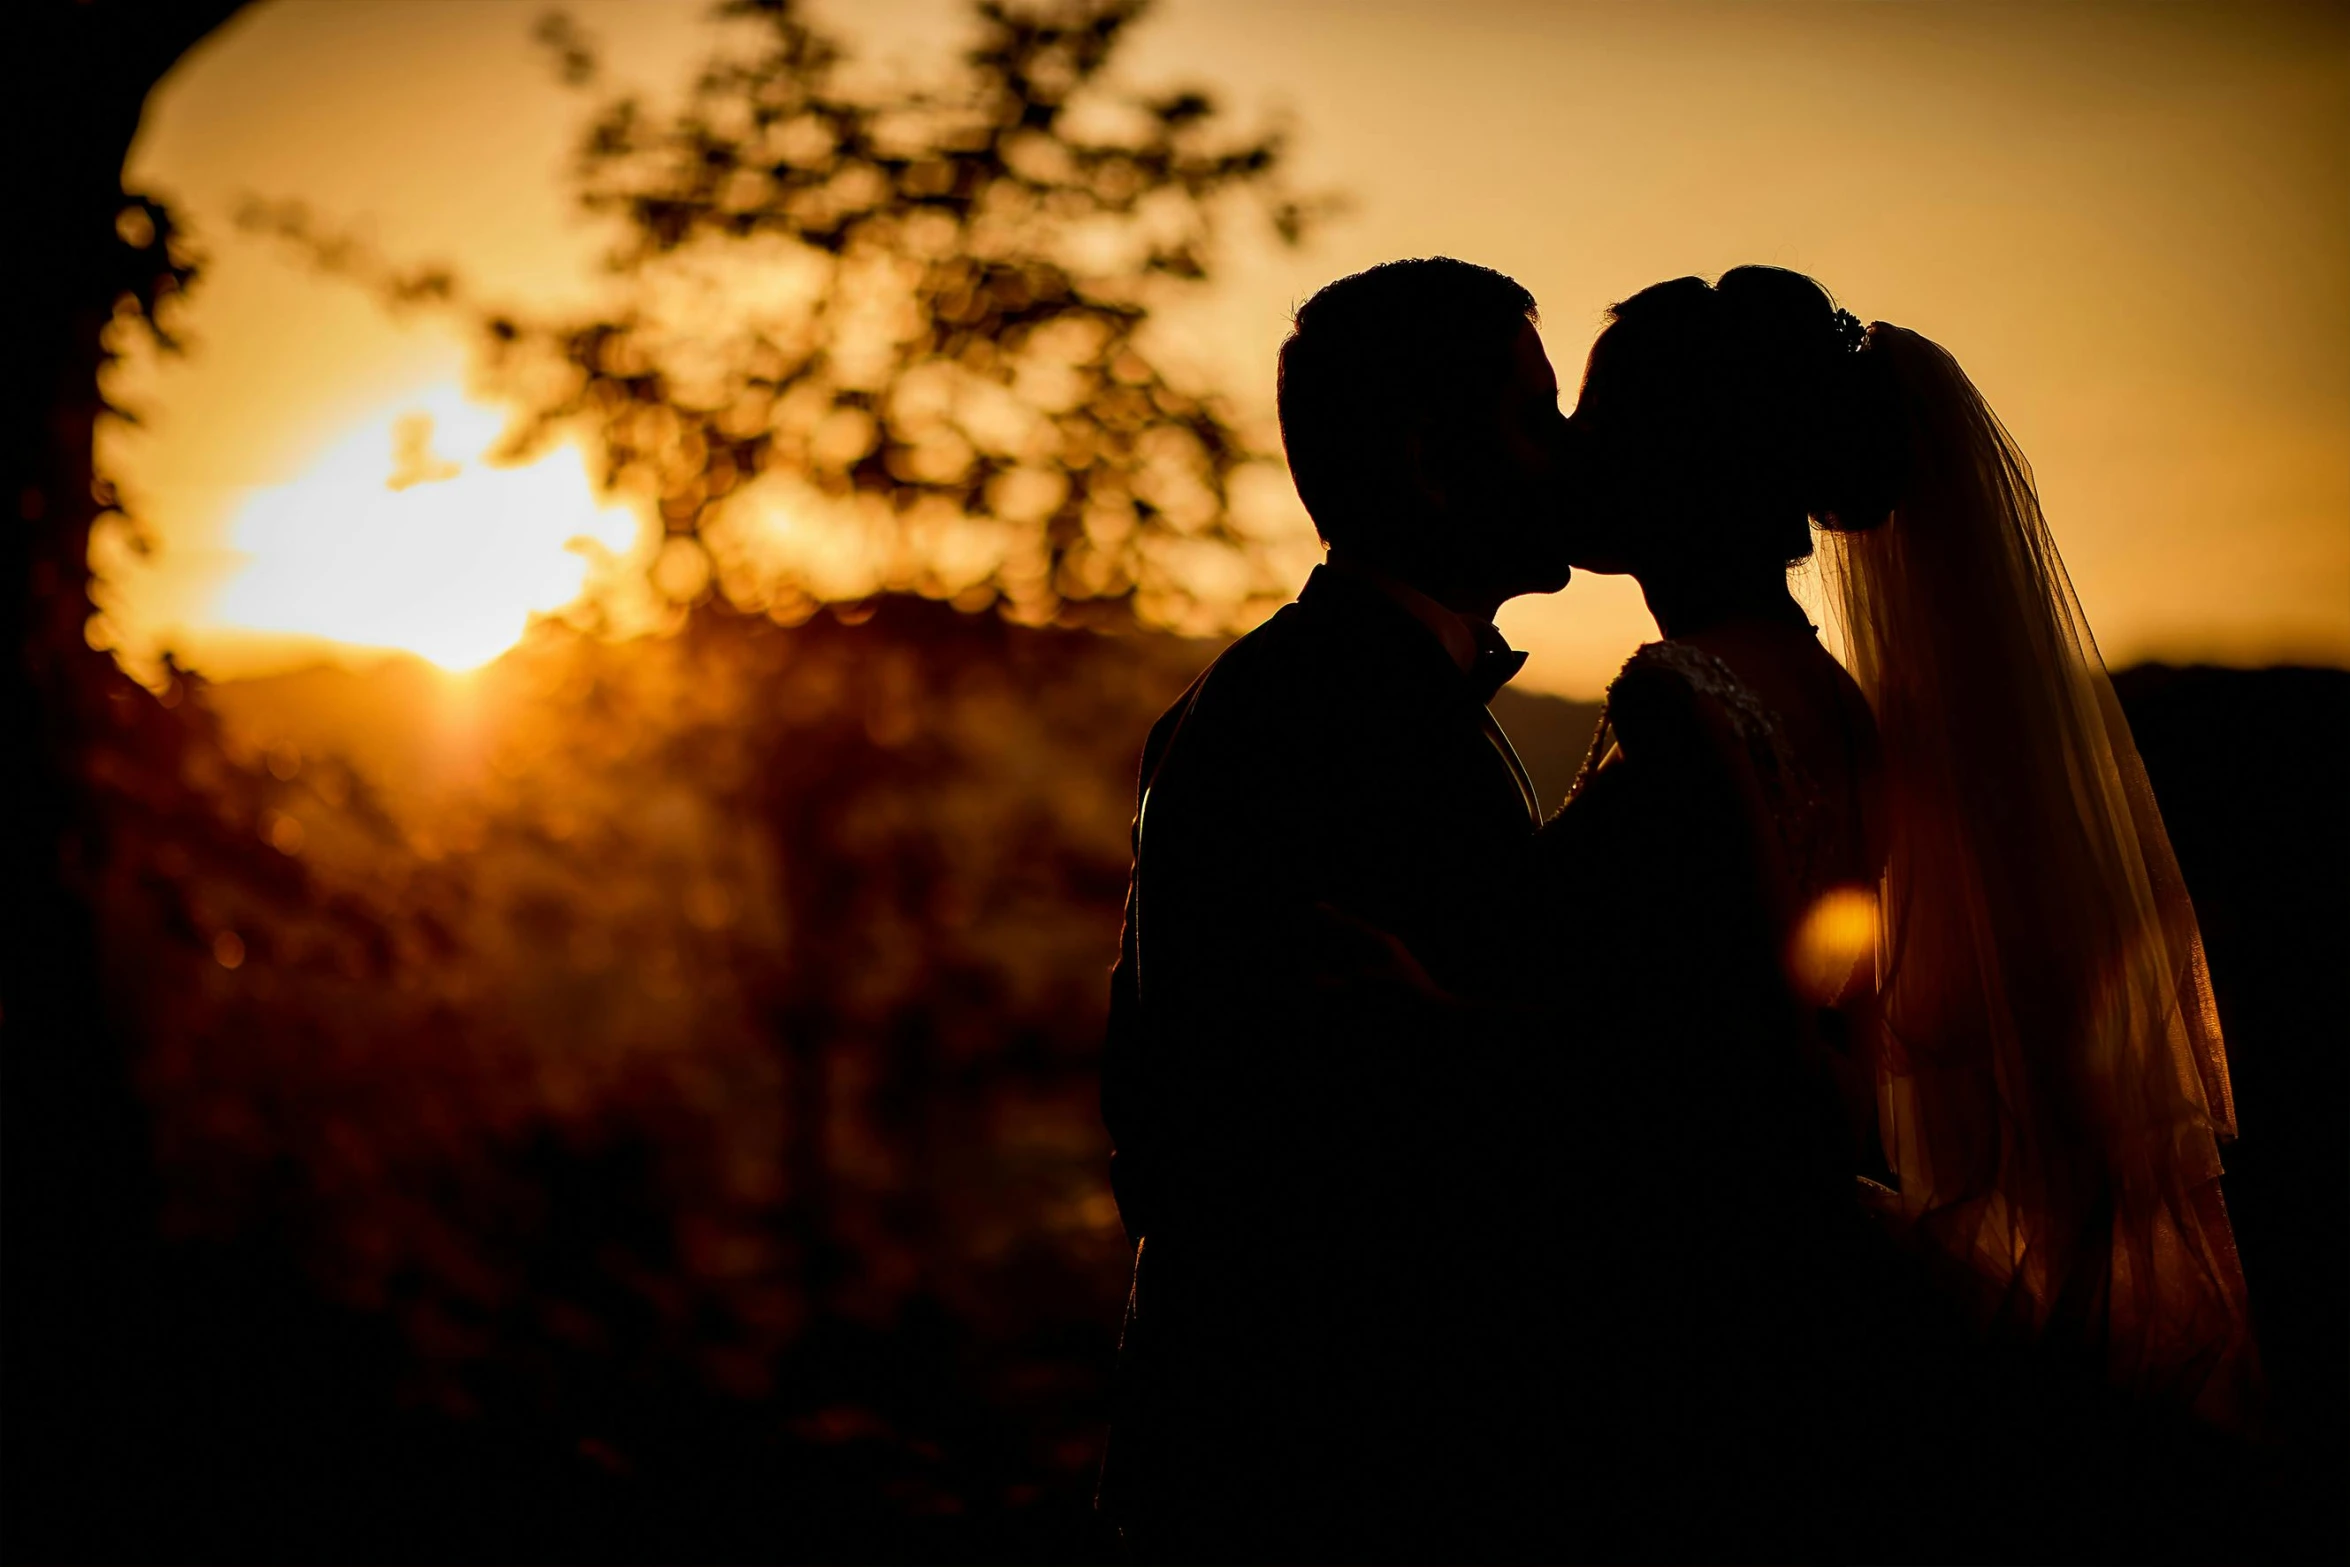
{"points": [[1283, 650], [1291, 669], [1271, 689]]}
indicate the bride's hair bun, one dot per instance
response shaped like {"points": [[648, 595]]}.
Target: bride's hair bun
{"points": [[1761, 383], [1821, 393]]}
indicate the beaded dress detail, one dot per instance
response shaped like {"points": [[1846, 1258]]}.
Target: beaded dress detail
{"points": [[1790, 795]]}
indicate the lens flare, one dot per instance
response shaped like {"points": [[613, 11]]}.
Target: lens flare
{"points": [[403, 535], [1831, 939]]}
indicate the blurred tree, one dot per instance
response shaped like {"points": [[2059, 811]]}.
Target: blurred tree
{"points": [[914, 318]]}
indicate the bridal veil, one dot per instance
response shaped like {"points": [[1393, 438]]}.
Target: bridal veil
{"points": [[2052, 1083]]}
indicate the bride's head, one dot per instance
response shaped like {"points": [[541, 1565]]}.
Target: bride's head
{"points": [[1718, 421]]}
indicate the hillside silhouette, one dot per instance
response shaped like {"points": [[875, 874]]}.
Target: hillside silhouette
{"points": [[2252, 769]]}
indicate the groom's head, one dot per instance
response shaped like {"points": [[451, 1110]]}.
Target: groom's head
{"points": [[1422, 424]]}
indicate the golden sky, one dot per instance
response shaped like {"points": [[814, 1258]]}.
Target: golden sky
{"points": [[2130, 222]]}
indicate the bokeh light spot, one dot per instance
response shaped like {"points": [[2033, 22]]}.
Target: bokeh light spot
{"points": [[1834, 935], [285, 834]]}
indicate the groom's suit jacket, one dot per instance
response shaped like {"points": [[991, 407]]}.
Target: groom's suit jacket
{"points": [[1301, 1159]]}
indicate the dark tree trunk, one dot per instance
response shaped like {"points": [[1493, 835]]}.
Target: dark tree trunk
{"points": [[76, 1196]]}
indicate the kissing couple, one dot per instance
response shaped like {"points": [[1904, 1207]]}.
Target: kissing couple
{"points": [[1802, 1141]]}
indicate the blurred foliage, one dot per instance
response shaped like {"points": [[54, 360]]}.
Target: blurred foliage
{"points": [[627, 1024], [894, 336]]}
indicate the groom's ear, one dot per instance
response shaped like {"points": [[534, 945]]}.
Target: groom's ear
{"points": [[1419, 475]]}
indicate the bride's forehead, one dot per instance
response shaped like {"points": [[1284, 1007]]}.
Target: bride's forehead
{"points": [[1620, 362], [1595, 358]]}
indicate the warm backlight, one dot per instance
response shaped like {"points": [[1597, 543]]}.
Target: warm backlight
{"points": [[403, 535]]}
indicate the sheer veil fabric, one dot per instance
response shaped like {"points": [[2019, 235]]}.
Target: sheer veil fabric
{"points": [[2052, 1083]]}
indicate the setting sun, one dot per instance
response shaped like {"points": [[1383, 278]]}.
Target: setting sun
{"points": [[405, 535]]}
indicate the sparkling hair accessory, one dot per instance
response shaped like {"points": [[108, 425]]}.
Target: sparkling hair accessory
{"points": [[1850, 332]]}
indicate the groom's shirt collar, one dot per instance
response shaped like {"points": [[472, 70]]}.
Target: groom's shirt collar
{"points": [[1481, 661], [1454, 632], [1476, 647]]}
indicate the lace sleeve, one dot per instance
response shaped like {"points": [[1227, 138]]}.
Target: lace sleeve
{"points": [[1673, 700]]}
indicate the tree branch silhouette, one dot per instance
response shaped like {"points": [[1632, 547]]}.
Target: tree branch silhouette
{"points": [[917, 313]]}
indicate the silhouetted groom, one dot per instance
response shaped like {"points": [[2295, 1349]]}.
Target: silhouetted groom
{"points": [[1295, 1377]]}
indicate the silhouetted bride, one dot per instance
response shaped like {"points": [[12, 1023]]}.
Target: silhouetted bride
{"points": [[1904, 962]]}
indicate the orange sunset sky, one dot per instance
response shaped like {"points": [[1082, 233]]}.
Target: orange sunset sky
{"points": [[2130, 222]]}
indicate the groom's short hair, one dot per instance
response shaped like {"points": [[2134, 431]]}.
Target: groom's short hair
{"points": [[1379, 359]]}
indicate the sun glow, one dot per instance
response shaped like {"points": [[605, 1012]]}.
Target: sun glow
{"points": [[403, 535]]}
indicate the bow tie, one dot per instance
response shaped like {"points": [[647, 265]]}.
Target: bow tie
{"points": [[1495, 664]]}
